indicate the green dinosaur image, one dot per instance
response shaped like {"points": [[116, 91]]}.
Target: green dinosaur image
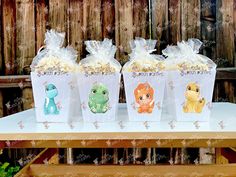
{"points": [[98, 98], [50, 106]]}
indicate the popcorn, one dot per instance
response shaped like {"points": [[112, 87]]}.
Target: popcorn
{"points": [[144, 81], [185, 56], [190, 82], [97, 67], [141, 59], [55, 64], [99, 82], [54, 58], [101, 58], [145, 66]]}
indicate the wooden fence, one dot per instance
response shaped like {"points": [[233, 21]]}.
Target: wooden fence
{"points": [[24, 22]]}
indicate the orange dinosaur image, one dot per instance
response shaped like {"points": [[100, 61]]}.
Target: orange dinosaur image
{"points": [[144, 98], [194, 103]]}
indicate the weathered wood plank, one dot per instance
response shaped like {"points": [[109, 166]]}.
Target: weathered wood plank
{"points": [[75, 25], [41, 20], [140, 19], [208, 37], [124, 28], [123, 33], [190, 19], [58, 15], [208, 34], [1, 65], [225, 91], [92, 22], [174, 21], [9, 35], [225, 47], [208, 9], [130, 171], [1, 57], [1, 104], [234, 32], [160, 23], [25, 40], [225, 30], [108, 19], [25, 36]]}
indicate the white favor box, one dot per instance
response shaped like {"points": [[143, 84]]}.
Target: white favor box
{"points": [[144, 95], [189, 94], [56, 97], [99, 95]]}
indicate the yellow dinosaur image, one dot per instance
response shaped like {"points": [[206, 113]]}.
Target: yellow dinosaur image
{"points": [[194, 103]]}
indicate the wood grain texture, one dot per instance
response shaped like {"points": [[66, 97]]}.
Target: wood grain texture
{"points": [[234, 33], [190, 19], [1, 104], [76, 34], [9, 36], [1, 57], [92, 22], [140, 19], [37, 170], [1, 62], [124, 28], [76, 26], [41, 22], [225, 30], [25, 38], [108, 19], [225, 44], [174, 21], [58, 16], [160, 23]]}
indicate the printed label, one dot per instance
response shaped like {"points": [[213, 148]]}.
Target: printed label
{"points": [[144, 98], [194, 103], [98, 98]]}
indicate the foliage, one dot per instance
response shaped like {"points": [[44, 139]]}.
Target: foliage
{"points": [[7, 171]]}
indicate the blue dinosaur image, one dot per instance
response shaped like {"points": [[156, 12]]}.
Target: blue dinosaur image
{"points": [[50, 106]]}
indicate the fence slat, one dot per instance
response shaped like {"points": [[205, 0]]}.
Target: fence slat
{"points": [[92, 22], [108, 19], [160, 23], [25, 38], [25, 42], [1, 63], [41, 19], [225, 48], [1, 58], [190, 19], [58, 15], [9, 35], [174, 21], [225, 30], [124, 28], [140, 19], [234, 16], [75, 25]]}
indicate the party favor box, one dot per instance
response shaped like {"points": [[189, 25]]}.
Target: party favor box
{"points": [[144, 95], [56, 97], [192, 94], [99, 95], [190, 82]]}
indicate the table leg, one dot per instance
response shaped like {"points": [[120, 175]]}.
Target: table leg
{"points": [[69, 157]]}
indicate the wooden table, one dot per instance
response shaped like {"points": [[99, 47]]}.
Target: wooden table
{"points": [[21, 131]]}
